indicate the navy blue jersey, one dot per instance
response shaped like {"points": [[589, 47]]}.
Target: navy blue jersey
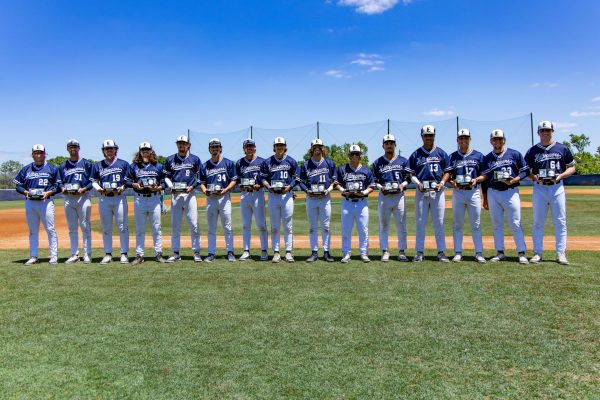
{"points": [[79, 172], [428, 165], [138, 172], [313, 173], [103, 172], [284, 169], [221, 173], [393, 170], [465, 164], [510, 161], [249, 169], [363, 175], [183, 169], [555, 156], [45, 177]]}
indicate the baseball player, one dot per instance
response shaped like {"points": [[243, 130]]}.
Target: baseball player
{"points": [[465, 167], [38, 182], [426, 166], [181, 175], [252, 199], [390, 178], [76, 174], [355, 181], [146, 176], [316, 178], [550, 163], [108, 178], [217, 178], [278, 174], [504, 168]]}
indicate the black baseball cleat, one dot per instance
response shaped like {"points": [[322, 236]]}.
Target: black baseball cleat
{"points": [[138, 260], [160, 258], [327, 257], [313, 257]]}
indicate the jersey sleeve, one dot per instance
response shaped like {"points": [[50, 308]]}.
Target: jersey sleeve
{"points": [[264, 170], [19, 181], [370, 180], [568, 157], [522, 165], [96, 171], [238, 170], [167, 168], [411, 164], [202, 174], [130, 175], [233, 176]]}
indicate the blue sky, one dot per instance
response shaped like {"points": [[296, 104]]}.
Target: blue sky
{"points": [[150, 70]]}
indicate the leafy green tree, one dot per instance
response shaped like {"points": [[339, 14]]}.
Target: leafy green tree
{"points": [[587, 163], [8, 170], [580, 142], [58, 160], [339, 153], [161, 159]]}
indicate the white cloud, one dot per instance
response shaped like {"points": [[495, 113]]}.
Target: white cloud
{"points": [[438, 113], [596, 98], [594, 108], [372, 7], [578, 114], [367, 55], [564, 126], [376, 69], [549, 85], [372, 61], [364, 61], [337, 74]]}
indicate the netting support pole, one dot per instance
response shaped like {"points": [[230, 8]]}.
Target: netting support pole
{"points": [[531, 120], [188, 135], [251, 132], [318, 133], [457, 124], [388, 132]]}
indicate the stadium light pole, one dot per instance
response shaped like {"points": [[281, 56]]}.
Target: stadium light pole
{"points": [[531, 120], [318, 133], [457, 125], [251, 132], [388, 131]]}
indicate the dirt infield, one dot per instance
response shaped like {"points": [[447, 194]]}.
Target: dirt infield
{"points": [[14, 232]]}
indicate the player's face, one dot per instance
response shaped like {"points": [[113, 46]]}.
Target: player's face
{"points": [[317, 150], [280, 149], [428, 140], [183, 147], [497, 143], [545, 135], [145, 153], [249, 150], [73, 151], [39, 157], [215, 150], [389, 147], [110, 152], [354, 158], [463, 142]]}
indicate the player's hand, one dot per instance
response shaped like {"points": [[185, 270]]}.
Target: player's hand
{"points": [[558, 178], [473, 183], [46, 195], [137, 186], [256, 187], [189, 189], [287, 188], [121, 189], [62, 190], [485, 204], [452, 183], [439, 187], [82, 190], [421, 188], [345, 194]]}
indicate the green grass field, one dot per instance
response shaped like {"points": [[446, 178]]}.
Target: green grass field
{"points": [[259, 330]]}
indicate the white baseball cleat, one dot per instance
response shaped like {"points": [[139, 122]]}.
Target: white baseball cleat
{"points": [[289, 257], [457, 258], [365, 258], [31, 261], [73, 259], [523, 259], [245, 255], [346, 258], [209, 258], [418, 257], [87, 259], [561, 258], [402, 257], [276, 257], [498, 257], [124, 258], [479, 258], [385, 257], [53, 260], [197, 257], [174, 258], [106, 259], [535, 259], [442, 257], [230, 256]]}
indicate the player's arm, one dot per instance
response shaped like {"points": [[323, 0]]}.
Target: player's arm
{"points": [[445, 179], [568, 172]]}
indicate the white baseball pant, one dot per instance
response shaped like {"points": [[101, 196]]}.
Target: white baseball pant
{"points": [[319, 209], [509, 202], [219, 206], [180, 203], [281, 209], [552, 197], [469, 200], [37, 211], [436, 203], [114, 207], [254, 203], [78, 209], [392, 204], [145, 208], [355, 211]]}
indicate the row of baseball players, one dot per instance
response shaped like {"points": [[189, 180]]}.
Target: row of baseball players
{"points": [[548, 163]]}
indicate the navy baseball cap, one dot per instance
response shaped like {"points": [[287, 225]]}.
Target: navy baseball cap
{"points": [[249, 142]]}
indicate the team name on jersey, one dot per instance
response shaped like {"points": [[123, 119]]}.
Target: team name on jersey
{"points": [[500, 163], [215, 171], [390, 168], [179, 167], [109, 171], [541, 157], [428, 160], [318, 171], [466, 163], [352, 176], [36, 175], [141, 173], [250, 168], [71, 171], [281, 167]]}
